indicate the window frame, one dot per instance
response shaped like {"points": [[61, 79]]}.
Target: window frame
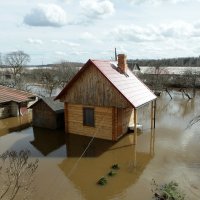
{"points": [[88, 114]]}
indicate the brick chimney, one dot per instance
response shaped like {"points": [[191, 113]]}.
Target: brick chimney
{"points": [[122, 63]]}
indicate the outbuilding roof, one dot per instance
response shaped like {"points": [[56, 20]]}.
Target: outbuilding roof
{"points": [[56, 106], [132, 89], [8, 94]]}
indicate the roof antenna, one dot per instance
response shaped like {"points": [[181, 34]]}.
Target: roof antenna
{"points": [[115, 54]]}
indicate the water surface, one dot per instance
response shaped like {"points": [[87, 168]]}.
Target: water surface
{"points": [[171, 152]]}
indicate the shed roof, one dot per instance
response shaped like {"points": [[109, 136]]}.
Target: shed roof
{"points": [[56, 106], [8, 94], [132, 89]]}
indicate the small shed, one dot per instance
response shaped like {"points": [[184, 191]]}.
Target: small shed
{"points": [[48, 113], [102, 99], [14, 102]]}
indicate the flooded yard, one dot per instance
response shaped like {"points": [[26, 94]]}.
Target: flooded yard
{"points": [[170, 153]]}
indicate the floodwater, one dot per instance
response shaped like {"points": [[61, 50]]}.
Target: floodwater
{"points": [[67, 171]]}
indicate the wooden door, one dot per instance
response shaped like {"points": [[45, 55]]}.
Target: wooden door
{"points": [[119, 122]]}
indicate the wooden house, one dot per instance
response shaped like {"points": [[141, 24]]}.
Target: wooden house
{"points": [[14, 102], [48, 113], [102, 99]]}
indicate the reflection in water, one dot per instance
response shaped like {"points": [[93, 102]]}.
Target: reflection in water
{"points": [[152, 142], [46, 140], [76, 144], [101, 155], [14, 124]]}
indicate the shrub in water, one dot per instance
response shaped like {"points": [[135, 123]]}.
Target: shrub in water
{"points": [[112, 173], [115, 166], [168, 191], [102, 181]]}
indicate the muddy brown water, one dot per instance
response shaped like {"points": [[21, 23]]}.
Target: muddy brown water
{"points": [[171, 153]]}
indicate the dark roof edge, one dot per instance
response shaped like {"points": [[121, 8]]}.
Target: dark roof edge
{"points": [[41, 99], [35, 103]]}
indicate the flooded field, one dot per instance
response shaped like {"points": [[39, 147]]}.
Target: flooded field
{"points": [[170, 153]]}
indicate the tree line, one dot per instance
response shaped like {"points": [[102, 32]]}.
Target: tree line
{"points": [[15, 73], [178, 62]]}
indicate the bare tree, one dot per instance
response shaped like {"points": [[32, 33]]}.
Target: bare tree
{"points": [[16, 61], [158, 81], [57, 76], [65, 71], [49, 80], [191, 78], [16, 173]]}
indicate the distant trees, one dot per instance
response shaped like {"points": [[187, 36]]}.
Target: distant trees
{"points": [[191, 78], [1, 60], [55, 76], [12, 67], [181, 62], [49, 80], [16, 61], [65, 71], [158, 82], [159, 79], [16, 175]]}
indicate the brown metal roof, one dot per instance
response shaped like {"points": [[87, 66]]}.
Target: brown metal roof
{"points": [[10, 94], [133, 90]]}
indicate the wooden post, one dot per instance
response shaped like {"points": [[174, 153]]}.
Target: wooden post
{"points": [[135, 127], [152, 114], [152, 142]]}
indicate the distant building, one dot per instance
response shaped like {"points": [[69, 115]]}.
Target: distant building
{"points": [[14, 102], [48, 113]]}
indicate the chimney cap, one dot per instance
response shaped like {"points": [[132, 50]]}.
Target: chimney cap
{"points": [[122, 55]]}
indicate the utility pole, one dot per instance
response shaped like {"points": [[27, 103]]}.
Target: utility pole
{"points": [[115, 54]]}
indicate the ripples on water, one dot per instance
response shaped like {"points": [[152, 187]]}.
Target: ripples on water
{"points": [[171, 153]]}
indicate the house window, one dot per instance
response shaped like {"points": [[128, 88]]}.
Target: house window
{"points": [[88, 117]]}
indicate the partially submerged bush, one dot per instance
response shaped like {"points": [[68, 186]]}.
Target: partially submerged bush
{"points": [[112, 173], [115, 166], [167, 191], [102, 181]]}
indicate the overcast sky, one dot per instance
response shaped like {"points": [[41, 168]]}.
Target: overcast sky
{"points": [[76, 30]]}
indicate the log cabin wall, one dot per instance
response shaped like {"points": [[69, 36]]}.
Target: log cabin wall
{"points": [[103, 121], [43, 116], [92, 88]]}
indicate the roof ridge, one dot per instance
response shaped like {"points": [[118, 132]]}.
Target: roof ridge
{"points": [[102, 60], [113, 76]]}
